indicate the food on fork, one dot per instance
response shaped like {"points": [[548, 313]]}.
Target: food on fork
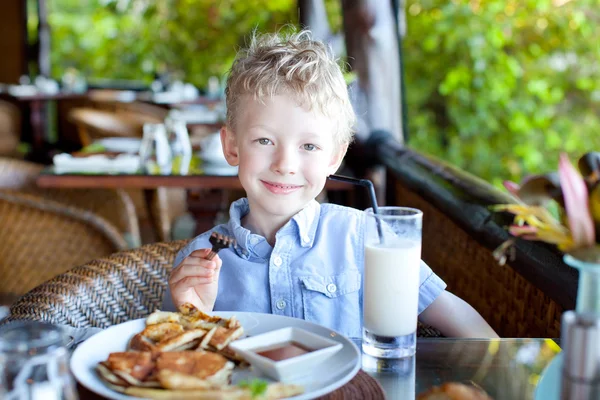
{"points": [[454, 391], [181, 355]]}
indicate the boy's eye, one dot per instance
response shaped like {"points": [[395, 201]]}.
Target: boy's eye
{"points": [[264, 141], [309, 147]]}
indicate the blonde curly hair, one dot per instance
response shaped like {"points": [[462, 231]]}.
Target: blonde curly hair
{"points": [[275, 64]]}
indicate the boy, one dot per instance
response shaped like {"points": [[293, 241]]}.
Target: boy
{"points": [[289, 123]]}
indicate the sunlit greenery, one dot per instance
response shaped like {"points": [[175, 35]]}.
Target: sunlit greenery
{"points": [[133, 39], [500, 87], [497, 87]]}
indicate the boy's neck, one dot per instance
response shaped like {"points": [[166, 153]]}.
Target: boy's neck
{"points": [[265, 227]]}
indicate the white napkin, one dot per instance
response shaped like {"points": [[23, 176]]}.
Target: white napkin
{"points": [[123, 163]]}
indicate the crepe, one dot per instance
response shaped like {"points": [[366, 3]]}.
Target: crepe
{"points": [[183, 355]]}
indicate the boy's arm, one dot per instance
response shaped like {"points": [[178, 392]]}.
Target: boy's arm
{"points": [[454, 317]]}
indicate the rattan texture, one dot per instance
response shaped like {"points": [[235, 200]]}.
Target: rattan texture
{"points": [[508, 302], [40, 239], [114, 205], [104, 292]]}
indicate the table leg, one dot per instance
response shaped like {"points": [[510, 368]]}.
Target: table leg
{"points": [[37, 118]]}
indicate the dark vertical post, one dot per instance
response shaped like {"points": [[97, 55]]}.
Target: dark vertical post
{"points": [[43, 56]]}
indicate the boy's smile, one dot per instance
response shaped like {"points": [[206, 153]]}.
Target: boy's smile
{"points": [[284, 153], [278, 188]]}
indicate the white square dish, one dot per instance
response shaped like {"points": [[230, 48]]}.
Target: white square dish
{"points": [[315, 348]]}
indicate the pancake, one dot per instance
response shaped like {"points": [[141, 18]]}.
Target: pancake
{"points": [[183, 341], [193, 370], [162, 330], [223, 336]]}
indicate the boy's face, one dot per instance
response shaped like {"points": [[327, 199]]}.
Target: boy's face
{"points": [[284, 153]]}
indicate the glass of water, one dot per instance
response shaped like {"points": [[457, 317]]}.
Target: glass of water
{"points": [[34, 363], [155, 152]]}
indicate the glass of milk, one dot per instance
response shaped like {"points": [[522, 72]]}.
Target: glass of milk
{"points": [[391, 281]]}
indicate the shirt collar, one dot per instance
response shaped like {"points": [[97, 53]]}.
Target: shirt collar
{"points": [[306, 221]]}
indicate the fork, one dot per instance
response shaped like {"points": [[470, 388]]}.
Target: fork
{"points": [[219, 242]]}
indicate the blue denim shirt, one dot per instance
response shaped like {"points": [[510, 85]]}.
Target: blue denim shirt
{"points": [[314, 271]]}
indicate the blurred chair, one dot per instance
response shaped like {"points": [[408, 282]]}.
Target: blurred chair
{"points": [[93, 124], [10, 128], [143, 110], [114, 205], [40, 239], [119, 288]]}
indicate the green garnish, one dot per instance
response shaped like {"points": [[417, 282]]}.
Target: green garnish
{"points": [[257, 387]]}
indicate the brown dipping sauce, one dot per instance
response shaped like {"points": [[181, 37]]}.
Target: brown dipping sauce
{"points": [[285, 350]]}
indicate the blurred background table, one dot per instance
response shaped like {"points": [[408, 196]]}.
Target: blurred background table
{"points": [[207, 194]]}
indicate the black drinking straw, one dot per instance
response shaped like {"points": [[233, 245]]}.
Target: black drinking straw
{"points": [[369, 185]]}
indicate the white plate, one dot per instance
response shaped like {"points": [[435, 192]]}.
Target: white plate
{"points": [[126, 145], [325, 378]]}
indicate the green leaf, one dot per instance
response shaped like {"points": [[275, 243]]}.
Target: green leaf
{"points": [[257, 387]]}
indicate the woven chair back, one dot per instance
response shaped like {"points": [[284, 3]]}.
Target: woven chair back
{"points": [[104, 292], [40, 239], [114, 205]]}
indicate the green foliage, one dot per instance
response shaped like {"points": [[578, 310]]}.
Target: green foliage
{"points": [[133, 39], [500, 87]]}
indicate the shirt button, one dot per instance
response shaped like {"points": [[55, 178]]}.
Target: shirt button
{"points": [[277, 261], [305, 239], [280, 304], [331, 288], [254, 240]]}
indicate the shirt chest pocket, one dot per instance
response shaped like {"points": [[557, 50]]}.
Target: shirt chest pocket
{"points": [[333, 301]]}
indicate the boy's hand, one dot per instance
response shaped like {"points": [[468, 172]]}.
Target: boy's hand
{"points": [[196, 280]]}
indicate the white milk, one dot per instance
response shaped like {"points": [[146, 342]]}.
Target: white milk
{"points": [[391, 288]]}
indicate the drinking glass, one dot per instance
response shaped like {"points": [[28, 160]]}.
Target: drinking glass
{"points": [[391, 281], [155, 153], [34, 363], [179, 143]]}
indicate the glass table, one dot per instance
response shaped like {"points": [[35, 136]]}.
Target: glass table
{"points": [[507, 369]]}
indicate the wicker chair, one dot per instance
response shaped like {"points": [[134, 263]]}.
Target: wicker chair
{"points": [[112, 290], [114, 205], [40, 239], [92, 123]]}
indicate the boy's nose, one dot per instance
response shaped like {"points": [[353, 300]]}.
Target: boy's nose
{"points": [[285, 163]]}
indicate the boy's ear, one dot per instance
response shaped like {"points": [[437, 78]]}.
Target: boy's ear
{"points": [[230, 148], [336, 159]]}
